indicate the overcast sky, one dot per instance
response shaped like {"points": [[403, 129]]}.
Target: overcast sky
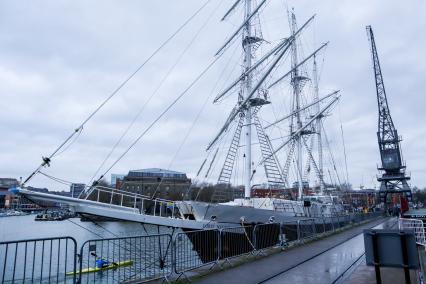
{"points": [[60, 59]]}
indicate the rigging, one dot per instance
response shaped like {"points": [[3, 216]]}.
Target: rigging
{"points": [[47, 160]]}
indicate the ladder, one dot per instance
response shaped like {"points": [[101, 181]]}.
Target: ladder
{"points": [[228, 165], [271, 165]]}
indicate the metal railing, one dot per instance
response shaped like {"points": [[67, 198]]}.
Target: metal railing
{"points": [[236, 241], [267, 235], [149, 257], [194, 249], [306, 229], [49, 260], [139, 258], [417, 226], [141, 204]]}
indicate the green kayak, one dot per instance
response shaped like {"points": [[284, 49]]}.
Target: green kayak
{"points": [[96, 269]]}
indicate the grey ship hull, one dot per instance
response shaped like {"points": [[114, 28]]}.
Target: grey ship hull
{"points": [[233, 214]]}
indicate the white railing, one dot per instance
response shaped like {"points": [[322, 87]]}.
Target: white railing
{"points": [[416, 225], [133, 200]]}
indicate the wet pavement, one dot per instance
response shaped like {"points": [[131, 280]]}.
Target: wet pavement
{"points": [[321, 261], [329, 266]]}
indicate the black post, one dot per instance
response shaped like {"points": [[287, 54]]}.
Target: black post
{"points": [[376, 257], [405, 257]]}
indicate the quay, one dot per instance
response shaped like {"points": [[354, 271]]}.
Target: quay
{"points": [[172, 255], [335, 259]]}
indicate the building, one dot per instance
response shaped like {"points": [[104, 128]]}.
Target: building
{"points": [[362, 198], [76, 189], [155, 182], [7, 199], [117, 180]]}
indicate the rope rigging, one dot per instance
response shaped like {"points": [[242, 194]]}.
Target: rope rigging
{"points": [[47, 160], [344, 146], [59, 180], [163, 80], [159, 117]]}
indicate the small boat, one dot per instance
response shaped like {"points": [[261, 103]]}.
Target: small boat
{"points": [[97, 269]]}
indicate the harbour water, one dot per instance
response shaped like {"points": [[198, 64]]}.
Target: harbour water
{"points": [[24, 227], [50, 260]]}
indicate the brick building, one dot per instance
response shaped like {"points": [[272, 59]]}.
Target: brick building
{"points": [[157, 182], [7, 199]]}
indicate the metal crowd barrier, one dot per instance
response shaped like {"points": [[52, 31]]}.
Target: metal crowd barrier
{"points": [[236, 241], [290, 232], [306, 229], [328, 224], [194, 249], [139, 258], [266, 235], [38, 260], [417, 226], [145, 258]]}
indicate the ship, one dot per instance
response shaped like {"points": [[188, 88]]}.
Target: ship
{"points": [[261, 73]]}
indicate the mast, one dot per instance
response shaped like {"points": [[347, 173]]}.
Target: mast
{"points": [[296, 100], [251, 97], [247, 85], [318, 128]]}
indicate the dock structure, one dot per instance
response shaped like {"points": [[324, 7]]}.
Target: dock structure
{"points": [[339, 258], [167, 255]]}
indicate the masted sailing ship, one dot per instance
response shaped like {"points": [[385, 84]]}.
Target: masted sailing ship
{"points": [[278, 158]]}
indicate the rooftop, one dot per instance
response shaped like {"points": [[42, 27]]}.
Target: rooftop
{"points": [[156, 172], [8, 182]]}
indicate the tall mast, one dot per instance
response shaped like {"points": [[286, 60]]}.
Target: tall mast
{"points": [[296, 99], [247, 87], [318, 128]]}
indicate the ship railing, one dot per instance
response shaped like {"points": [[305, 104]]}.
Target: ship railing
{"points": [[417, 226], [141, 204], [46, 260]]}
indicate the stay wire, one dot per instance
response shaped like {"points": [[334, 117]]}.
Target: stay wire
{"points": [[59, 180], [198, 116], [71, 143], [160, 116], [166, 76], [47, 160], [344, 146], [202, 107]]}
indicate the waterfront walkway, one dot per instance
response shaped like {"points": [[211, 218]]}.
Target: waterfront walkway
{"points": [[323, 261]]}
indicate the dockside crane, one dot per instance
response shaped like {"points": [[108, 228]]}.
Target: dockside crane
{"points": [[393, 178]]}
